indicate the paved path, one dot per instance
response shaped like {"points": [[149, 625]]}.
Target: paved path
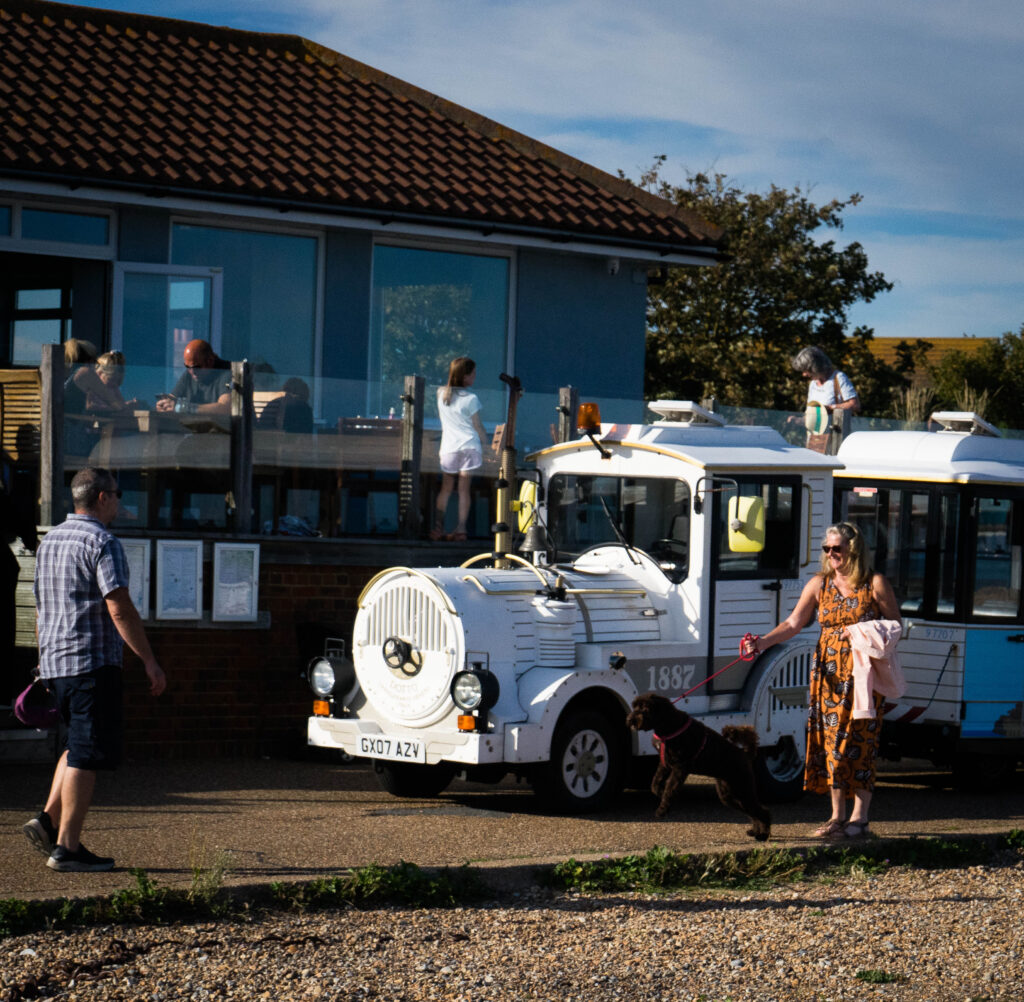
{"points": [[295, 820]]}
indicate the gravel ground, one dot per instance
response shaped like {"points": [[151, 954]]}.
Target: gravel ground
{"points": [[937, 935]]}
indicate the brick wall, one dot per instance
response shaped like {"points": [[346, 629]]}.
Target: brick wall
{"points": [[239, 691]]}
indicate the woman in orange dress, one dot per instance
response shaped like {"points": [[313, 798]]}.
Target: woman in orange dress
{"points": [[841, 751]]}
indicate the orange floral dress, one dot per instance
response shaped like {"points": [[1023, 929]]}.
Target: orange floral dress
{"points": [[840, 750]]}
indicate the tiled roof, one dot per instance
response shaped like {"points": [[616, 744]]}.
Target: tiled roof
{"points": [[884, 348], [178, 107]]}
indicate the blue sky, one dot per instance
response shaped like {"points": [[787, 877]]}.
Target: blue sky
{"points": [[915, 106]]}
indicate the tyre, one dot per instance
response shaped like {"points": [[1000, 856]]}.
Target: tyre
{"points": [[780, 771], [587, 766], [406, 779]]}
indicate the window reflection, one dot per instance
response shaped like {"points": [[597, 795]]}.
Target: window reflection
{"points": [[64, 227], [269, 293], [431, 306], [997, 564]]}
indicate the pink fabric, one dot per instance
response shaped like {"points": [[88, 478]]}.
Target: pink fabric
{"points": [[876, 666]]}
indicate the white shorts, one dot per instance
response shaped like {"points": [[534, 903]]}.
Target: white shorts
{"points": [[461, 461]]}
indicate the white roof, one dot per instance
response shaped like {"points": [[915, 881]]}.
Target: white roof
{"points": [[941, 457], [708, 446]]}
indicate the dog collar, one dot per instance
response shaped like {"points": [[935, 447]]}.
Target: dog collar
{"points": [[675, 734]]}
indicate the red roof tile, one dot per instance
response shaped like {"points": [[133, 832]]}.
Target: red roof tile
{"points": [[126, 99]]}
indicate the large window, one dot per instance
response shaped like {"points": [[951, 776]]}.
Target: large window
{"points": [[270, 292], [950, 553], [431, 306]]}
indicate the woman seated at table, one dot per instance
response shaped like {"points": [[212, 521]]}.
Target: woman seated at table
{"points": [[106, 397]]}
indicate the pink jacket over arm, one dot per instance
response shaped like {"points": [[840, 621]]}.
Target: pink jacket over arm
{"points": [[876, 666]]}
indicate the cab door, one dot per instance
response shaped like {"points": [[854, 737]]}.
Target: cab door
{"points": [[752, 590]]}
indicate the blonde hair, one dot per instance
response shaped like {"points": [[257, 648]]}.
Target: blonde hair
{"points": [[110, 360], [858, 569], [458, 371], [78, 350]]}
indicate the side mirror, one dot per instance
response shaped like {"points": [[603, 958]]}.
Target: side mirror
{"points": [[746, 525]]}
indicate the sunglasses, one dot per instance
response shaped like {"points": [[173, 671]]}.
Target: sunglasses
{"points": [[118, 493], [836, 550]]}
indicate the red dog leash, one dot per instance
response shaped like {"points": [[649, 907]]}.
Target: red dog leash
{"points": [[743, 657]]}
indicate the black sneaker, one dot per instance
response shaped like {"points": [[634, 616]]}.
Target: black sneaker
{"points": [[79, 861], [41, 833]]}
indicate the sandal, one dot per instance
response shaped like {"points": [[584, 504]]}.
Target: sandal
{"points": [[436, 534], [831, 827], [857, 829], [456, 537]]}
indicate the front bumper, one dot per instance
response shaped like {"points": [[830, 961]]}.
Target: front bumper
{"points": [[515, 743], [442, 742]]}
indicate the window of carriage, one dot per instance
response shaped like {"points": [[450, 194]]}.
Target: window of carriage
{"points": [[996, 571], [894, 522]]}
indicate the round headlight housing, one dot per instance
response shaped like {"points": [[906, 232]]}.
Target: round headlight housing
{"points": [[321, 677], [474, 690]]}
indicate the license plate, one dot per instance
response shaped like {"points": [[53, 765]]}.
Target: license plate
{"points": [[394, 749]]}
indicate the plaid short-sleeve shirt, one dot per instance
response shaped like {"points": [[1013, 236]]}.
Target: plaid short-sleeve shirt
{"points": [[78, 564]]}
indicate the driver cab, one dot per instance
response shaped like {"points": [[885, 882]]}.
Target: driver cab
{"points": [[652, 514]]}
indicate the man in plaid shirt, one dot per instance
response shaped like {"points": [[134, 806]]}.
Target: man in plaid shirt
{"points": [[84, 617]]}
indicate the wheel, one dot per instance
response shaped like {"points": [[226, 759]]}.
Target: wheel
{"points": [[587, 765], [406, 779], [780, 770]]}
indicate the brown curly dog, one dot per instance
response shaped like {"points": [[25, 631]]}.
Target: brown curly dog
{"points": [[688, 746]]}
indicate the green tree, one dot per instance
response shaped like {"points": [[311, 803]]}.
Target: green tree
{"points": [[995, 369], [729, 331]]}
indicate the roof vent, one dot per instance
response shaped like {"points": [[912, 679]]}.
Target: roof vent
{"points": [[965, 422], [684, 412]]}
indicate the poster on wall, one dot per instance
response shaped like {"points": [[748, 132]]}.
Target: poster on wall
{"points": [[138, 552], [236, 581], [179, 579]]}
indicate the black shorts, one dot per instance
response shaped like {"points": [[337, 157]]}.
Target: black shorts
{"points": [[90, 713]]}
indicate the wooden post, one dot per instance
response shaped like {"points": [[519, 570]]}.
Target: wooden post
{"points": [[841, 418], [410, 518], [51, 435], [568, 406], [240, 500]]}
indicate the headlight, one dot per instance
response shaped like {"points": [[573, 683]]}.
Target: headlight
{"points": [[475, 690], [321, 676]]}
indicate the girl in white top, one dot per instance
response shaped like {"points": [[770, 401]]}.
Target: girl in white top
{"points": [[463, 441]]}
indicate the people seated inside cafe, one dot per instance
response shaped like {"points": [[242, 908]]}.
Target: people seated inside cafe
{"points": [[290, 411], [79, 374], [204, 386], [108, 398]]}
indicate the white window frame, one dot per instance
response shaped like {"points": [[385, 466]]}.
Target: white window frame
{"points": [[56, 248], [123, 268]]}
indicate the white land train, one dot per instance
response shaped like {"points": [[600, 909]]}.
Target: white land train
{"points": [[944, 516], [668, 544]]}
